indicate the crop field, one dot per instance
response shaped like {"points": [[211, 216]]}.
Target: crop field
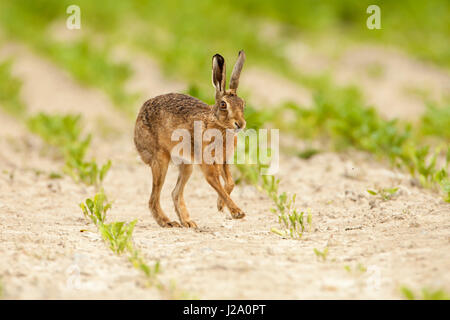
{"points": [[359, 207]]}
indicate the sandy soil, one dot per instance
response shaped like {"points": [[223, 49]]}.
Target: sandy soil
{"points": [[404, 241], [267, 89]]}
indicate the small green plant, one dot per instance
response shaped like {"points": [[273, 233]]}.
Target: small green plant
{"points": [[436, 120], [321, 255], [64, 133], [95, 209], [385, 193], [426, 294], [308, 153], [118, 235], [55, 175], [10, 87], [445, 183], [139, 263], [292, 221], [360, 268], [88, 172]]}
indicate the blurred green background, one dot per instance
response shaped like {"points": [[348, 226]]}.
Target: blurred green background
{"points": [[183, 35]]}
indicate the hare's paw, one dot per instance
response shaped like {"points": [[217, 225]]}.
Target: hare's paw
{"points": [[237, 213], [189, 224], [220, 204], [170, 224]]}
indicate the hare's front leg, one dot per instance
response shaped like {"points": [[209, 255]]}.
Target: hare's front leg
{"points": [[177, 196], [229, 184], [212, 175], [159, 167]]}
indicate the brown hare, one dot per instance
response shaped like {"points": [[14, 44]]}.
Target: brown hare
{"points": [[163, 114]]}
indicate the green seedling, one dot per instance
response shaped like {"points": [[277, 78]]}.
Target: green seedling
{"points": [[64, 133], [118, 235], [360, 268], [96, 209], [309, 219], [172, 292], [436, 120], [426, 294], [445, 183], [385, 194], [10, 87], [278, 232], [422, 163], [55, 175], [88, 172], [308, 153], [321, 255], [139, 263], [292, 221]]}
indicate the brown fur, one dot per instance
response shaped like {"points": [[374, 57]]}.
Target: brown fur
{"points": [[163, 114]]}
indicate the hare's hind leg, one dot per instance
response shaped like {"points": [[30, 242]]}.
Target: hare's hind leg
{"points": [[177, 196], [212, 175], [159, 167], [229, 184]]}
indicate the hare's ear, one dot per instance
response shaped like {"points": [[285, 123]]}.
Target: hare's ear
{"points": [[218, 74], [234, 81]]}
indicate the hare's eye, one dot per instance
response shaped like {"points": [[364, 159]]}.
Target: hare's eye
{"points": [[223, 105]]}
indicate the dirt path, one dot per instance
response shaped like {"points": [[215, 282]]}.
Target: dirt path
{"points": [[44, 255], [402, 241]]}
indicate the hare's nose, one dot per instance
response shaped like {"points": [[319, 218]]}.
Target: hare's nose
{"points": [[237, 125]]}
